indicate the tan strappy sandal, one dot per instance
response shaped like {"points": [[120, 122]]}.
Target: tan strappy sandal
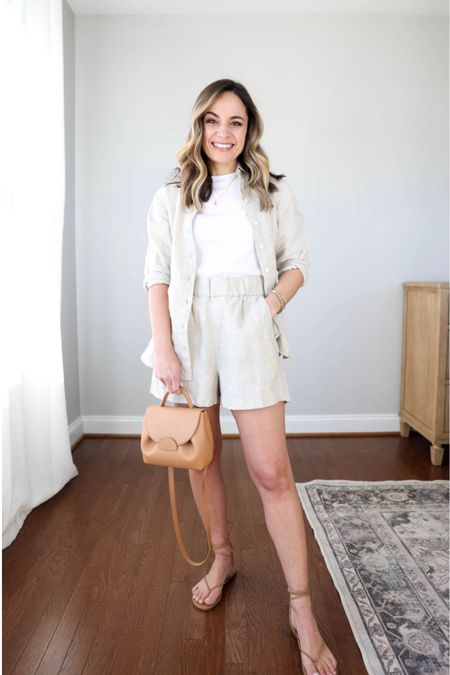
{"points": [[203, 605], [298, 594]]}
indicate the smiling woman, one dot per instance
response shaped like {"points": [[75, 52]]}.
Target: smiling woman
{"points": [[227, 251], [224, 135], [226, 125]]}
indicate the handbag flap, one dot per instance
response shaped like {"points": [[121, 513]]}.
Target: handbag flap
{"points": [[176, 422]]}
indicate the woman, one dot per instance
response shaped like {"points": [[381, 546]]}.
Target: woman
{"points": [[227, 251]]}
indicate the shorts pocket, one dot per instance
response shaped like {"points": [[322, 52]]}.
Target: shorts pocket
{"points": [[275, 329]]}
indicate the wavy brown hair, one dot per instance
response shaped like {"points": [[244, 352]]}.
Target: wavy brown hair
{"points": [[192, 175]]}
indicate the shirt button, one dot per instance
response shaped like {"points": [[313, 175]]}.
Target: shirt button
{"points": [[266, 269], [261, 246], [187, 302], [246, 200], [256, 222]]}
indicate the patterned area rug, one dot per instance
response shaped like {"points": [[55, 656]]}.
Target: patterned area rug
{"points": [[386, 547]]}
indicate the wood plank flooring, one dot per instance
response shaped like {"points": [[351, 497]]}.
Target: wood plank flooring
{"points": [[94, 583]]}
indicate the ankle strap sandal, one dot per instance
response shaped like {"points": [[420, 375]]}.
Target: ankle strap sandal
{"points": [[217, 547], [202, 605], [298, 594], [294, 595]]}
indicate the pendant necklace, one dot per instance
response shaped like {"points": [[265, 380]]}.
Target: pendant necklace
{"points": [[214, 199]]}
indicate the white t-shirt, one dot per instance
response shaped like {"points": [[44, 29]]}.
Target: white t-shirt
{"points": [[222, 234]]}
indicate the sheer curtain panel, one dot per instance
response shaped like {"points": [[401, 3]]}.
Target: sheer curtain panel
{"points": [[36, 454]]}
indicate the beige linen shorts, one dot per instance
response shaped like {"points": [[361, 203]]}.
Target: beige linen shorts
{"points": [[232, 346]]}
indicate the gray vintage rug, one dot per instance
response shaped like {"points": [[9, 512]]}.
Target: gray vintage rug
{"points": [[386, 547]]}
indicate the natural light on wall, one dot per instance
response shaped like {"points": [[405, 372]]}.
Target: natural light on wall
{"points": [[35, 445]]}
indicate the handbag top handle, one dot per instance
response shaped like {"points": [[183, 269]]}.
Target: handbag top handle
{"points": [[185, 394]]}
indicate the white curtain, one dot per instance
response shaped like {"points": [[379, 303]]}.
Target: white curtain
{"points": [[36, 454]]}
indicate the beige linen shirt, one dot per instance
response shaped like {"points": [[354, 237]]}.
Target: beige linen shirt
{"points": [[281, 244]]}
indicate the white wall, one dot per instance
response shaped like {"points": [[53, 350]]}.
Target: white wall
{"points": [[355, 111], [69, 319]]}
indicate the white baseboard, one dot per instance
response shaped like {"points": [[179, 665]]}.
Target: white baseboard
{"points": [[301, 424], [76, 430]]}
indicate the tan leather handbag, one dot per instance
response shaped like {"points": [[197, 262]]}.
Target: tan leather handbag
{"points": [[182, 438]]}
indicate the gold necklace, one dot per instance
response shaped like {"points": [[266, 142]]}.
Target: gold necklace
{"points": [[214, 199]]}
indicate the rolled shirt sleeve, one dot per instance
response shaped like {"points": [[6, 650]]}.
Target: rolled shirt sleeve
{"points": [[292, 244], [157, 259]]}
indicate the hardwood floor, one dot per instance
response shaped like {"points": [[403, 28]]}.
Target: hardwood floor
{"points": [[95, 584]]}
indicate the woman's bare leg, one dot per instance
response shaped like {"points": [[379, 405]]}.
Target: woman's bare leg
{"points": [[217, 505], [263, 438]]}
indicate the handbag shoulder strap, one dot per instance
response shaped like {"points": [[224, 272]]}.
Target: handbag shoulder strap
{"points": [[173, 506]]}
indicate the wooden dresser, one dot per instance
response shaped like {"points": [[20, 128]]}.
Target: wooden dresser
{"points": [[425, 364]]}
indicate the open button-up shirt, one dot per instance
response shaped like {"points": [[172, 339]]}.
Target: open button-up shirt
{"points": [[281, 244]]}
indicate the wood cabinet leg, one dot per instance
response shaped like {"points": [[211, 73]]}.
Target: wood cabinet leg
{"points": [[436, 454], [404, 429]]}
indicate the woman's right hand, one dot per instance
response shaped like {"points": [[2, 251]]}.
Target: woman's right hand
{"points": [[168, 369]]}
